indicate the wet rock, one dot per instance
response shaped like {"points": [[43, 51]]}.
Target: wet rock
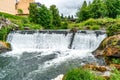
{"points": [[104, 71], [4, 47], [59, 77], [26, 28]]}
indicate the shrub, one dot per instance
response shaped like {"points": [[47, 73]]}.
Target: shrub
{"points": [[64, 25], [3, 33], [113, 29], [90, 22], [95, 27], [81, 74]]}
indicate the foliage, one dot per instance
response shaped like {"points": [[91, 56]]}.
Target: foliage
{"points": [[113, 29], [40, 15], [99, 9], [115, 61], [113, 7], [33, 12], [115, 75], [55, 15], [4, 32], [64, 25], [95, 27], [83, 13], [81, 74], [20, 11]]}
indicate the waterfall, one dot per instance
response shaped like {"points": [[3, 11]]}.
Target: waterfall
{"points": [[83, 40], [43, 55], [39, 40]]}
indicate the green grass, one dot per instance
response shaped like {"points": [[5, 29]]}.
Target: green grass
{"points": [[81, 74], [10, 16], [94, 24], [115, 75]]}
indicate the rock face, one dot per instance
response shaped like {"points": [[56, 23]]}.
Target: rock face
{"points": [[4, 47], [5, 22], [110, 47]]}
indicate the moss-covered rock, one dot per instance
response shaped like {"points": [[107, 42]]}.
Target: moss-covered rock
{"points": [[110, 47], [4, 46]]}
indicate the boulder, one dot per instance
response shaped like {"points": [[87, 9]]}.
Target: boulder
{"points": [[4, 46], [109, 47]]}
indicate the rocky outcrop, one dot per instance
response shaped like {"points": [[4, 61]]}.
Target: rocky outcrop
{"points": [[110, 47], [104, 71], [4, 47], [7, 23]]}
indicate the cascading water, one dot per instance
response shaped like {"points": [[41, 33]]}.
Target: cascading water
{"points": [[43, 55]]}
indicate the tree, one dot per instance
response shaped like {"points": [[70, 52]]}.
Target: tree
{"points": [[83, 13], [113, 7], [98, 9], [62, 16], [56, 17], [33, 12], [44, 16], [40, 14]]}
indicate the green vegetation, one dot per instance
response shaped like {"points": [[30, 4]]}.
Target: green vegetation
{"points": [[20, 11], [113, 29], [56, 21], [81, 74], [48, 18], [99, 9], [115, 75], [3, 33], [16, 22], [115, 61], [40, 15]]}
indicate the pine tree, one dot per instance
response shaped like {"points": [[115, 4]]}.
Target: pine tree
{"points": [[82, 13]]}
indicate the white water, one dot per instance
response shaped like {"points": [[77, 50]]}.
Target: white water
{"points": [[39, 41], [88, 41], [52, 50]]}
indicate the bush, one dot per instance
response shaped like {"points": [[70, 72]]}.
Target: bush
{"points": [[3, 33], [113, 29], [95, 27], [90, 22], [81, 74], [64, 25]]}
